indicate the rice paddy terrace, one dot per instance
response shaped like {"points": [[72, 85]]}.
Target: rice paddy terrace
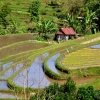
{"points": [[24, 63], [19, 10]]}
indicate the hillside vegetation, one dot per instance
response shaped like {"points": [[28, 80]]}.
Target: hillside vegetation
{"points": [[24, 22], [47, 16]]}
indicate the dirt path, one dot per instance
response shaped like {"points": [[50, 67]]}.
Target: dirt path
{"points": [[92, 40], [82, 67]]}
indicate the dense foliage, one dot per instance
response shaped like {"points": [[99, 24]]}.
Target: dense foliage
{"points": [[83, 16], [34, 10], [67, 91]]}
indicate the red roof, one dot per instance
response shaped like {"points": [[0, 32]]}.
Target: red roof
{"points": [[67, 31]]}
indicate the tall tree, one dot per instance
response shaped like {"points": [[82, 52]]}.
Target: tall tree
{"points": [[89, 23], [59, 92], [94, 6], [46, 27], [69, 88], [73, 6], [34, 10], [85, 93], [4, 12]]}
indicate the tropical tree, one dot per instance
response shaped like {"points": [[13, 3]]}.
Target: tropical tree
{"points": [[69, 89], [89, 22], [97, 94], [58, 92], [85, 93], [94, 6], [34, 10], [4, 12], [16, 26], [72, 21], [73, 6], [46, 27]]}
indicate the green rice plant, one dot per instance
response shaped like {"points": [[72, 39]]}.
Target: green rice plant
{"points": [[82, 58]]}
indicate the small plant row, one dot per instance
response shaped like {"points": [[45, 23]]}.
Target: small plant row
{"points": [[83, 58]]}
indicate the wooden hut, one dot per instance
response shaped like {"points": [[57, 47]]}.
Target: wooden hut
{"points": [[65, 34]]}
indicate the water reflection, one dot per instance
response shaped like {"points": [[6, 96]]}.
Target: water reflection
{"points": [[33, 76], [3, 85], [3, 96], [51, 63], [2, 67], [95, 46], [12, 70]]}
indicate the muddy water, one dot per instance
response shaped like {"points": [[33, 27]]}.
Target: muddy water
{"points": [[12, 70], [85, 80], [33, 76], [51, 63], [96, 46]]}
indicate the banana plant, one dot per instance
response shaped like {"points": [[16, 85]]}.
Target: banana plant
{"points": [[72, 21], [69, 20], [46, 27], [16, 26], [88, 21]]}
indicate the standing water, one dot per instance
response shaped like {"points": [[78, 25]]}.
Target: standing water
{"points": [[3, 96], [33, 76], [96, 46], [51, 63], [11, 71], [3, 66]]}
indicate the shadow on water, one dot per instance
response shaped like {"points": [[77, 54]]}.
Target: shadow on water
{"points": [[11, 71], [95, 46], [51, 63], [33, 76]]}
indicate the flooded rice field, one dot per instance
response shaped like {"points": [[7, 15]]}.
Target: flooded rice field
{"points": [[3, 85], [51, 63], [6, 96], [4, 66], [11, 71], [33, 76], [96, 46]]}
